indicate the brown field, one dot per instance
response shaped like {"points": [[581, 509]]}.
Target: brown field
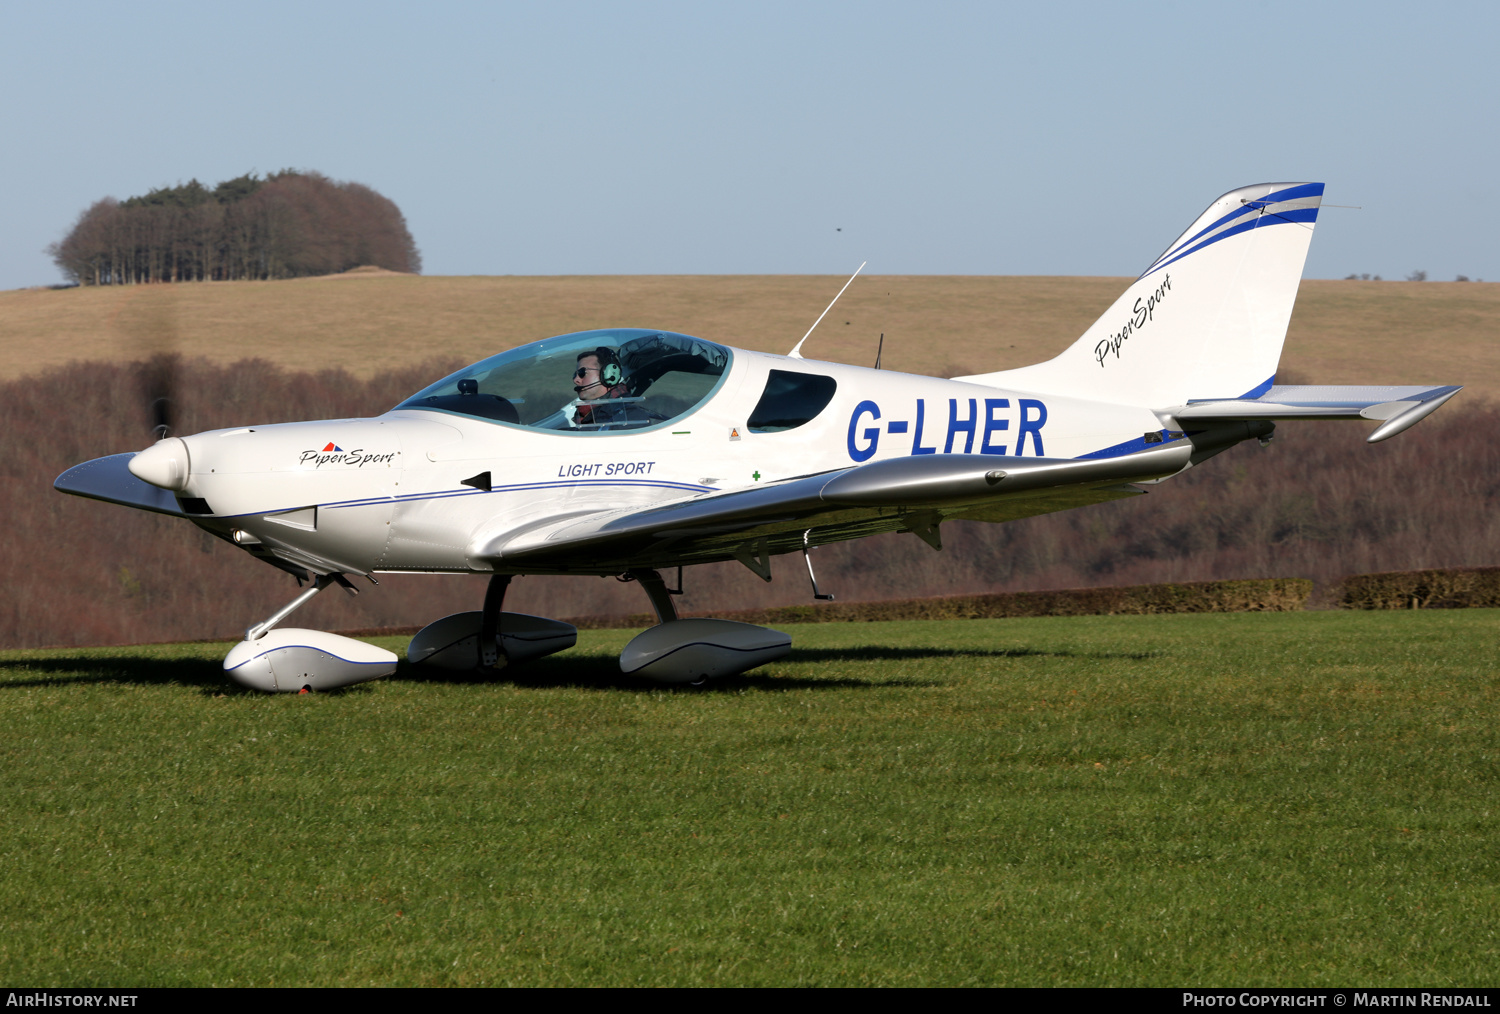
{"points": [[368, 322]]}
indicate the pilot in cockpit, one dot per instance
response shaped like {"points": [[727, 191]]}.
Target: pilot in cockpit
{"points": [[599, 378]]}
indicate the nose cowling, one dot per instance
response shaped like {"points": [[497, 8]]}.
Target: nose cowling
{"points": [[164, 464]]}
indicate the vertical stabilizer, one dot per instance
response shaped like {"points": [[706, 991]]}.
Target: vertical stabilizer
{"points": [[1206, 320]]}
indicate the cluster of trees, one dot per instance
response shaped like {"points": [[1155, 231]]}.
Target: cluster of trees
{"points": [[286, 225], [1415, 276]]}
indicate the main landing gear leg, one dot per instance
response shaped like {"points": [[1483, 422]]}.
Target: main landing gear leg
{"points": [[656, 588], [491, 651], [488, 639]]}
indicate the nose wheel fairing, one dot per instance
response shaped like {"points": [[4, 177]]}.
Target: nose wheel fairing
{"points": [[288, 659]]}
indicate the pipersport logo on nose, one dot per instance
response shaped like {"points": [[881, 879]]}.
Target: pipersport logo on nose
{"points": [[335, 455]]}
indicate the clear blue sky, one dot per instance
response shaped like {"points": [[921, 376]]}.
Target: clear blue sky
{"points": [[706, 138]]}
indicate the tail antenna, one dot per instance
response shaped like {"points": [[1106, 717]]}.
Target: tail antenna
{"points": [[796, 352]]}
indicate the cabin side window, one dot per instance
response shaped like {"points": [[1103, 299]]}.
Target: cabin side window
{"points": [[791, 400]]}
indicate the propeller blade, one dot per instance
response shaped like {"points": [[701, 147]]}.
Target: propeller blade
{"points": [[148, 320], [159, 383]]}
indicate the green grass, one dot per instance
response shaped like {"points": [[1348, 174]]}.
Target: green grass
{"points": [[1241, 800]]}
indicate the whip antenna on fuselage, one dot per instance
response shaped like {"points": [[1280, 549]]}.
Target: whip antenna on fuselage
{"points": [[796, 352]]}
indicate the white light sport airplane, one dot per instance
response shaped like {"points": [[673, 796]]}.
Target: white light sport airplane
{"points": [[627, 451]]}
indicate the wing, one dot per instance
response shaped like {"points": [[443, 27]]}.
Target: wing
{"points": [[110, 479], [1399, 407], [912, 494]]}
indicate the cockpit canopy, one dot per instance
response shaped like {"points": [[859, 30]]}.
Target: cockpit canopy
{"points": [[643, 379]]}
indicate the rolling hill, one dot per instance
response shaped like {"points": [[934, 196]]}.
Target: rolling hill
{"points": [[366, 322]]}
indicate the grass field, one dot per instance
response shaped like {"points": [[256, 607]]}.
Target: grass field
{"points": [[1341, 332], [1248, 799]]}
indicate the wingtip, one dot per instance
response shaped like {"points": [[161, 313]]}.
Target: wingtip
{"points": [[1406, 420]]}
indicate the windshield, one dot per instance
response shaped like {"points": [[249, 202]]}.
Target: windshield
{"points": [[591, 381]]}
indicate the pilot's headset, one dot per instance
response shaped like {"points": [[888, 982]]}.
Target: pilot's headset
{"points": [[611, 373]]}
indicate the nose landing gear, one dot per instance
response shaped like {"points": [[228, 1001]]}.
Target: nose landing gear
{"points": [[293, 660]]}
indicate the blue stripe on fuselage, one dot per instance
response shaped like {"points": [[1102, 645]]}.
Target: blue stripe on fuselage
{"points": [[450, 493]]}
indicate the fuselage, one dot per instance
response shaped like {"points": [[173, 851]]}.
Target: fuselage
{"points": [[417, 489]]}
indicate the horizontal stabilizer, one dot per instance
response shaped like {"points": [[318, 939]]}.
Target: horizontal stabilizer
{"points": [[1398, 408]]}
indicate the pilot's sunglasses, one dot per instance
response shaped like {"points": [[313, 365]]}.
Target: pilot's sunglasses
{"points": [[585, 370]]}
